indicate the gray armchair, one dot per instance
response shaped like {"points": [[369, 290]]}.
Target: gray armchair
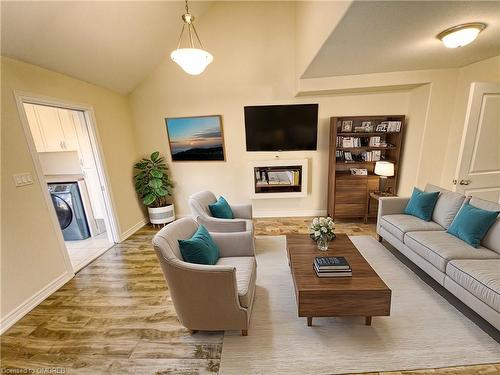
{"points": [[206, 297], [198, 203]]}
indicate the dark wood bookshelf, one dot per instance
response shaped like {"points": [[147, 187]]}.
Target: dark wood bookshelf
{"points": [[348, 194]]}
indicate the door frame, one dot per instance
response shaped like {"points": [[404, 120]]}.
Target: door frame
{"points": [[95, 141]]}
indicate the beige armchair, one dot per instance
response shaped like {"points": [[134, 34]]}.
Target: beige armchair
{"points": [[206, 297], [198, 203]]}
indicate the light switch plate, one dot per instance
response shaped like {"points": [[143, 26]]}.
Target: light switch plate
{"points": [[23, 179]]}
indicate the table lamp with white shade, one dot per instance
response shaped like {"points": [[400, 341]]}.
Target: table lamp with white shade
{"points": [[384, 169]]}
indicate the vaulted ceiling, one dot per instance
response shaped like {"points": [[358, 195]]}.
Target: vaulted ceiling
{"points": [[116, 44], [387, 36], [108, 43]]}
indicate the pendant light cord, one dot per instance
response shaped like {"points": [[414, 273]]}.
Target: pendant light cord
{"points": [[190, 25]]}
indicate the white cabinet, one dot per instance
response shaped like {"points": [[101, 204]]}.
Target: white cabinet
{"points": [[50, 127], [36, 132], [68, 126], [53, 129], [84, 146]]}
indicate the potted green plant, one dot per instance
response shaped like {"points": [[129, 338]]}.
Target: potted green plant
{"points": [[154, 187]]}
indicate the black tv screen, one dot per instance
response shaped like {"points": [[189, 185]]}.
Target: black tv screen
{"points": [[281, 127]]}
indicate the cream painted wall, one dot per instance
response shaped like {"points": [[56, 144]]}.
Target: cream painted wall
{"points": [[436, 127], [257, 69], [29, 242], [314, 22], [482, 71], [430, 111], [414, 133]]}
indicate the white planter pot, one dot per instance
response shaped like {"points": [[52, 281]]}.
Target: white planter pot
{"points": [[161, 215]]}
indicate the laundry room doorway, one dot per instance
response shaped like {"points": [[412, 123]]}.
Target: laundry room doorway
{"points": [[65, 148]]}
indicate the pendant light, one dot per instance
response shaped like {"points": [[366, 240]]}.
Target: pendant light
{"points": [[191, 59]]}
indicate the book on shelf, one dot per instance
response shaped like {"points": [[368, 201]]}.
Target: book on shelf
{"points": [[352, 142], [359, 171], [331, 263], [280, 178], [348, 142], [371, 155], [374, 142]]}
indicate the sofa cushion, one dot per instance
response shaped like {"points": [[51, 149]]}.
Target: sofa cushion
{"points": [[492, 238], [221, 209], [438, 248], [479, 277], [422, 204], [200, 248], [446, 206], [472, 223], [399, 224], [246, 272]]}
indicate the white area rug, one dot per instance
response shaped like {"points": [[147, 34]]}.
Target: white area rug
{"points": [[423, 331]]}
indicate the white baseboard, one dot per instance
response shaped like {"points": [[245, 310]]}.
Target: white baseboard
{"points": [[285, 213], [11, 318], [134, 228]]}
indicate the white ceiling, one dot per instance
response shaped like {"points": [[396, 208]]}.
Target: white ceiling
{"points": [[116, 44], [387, 36], [111, 44]]}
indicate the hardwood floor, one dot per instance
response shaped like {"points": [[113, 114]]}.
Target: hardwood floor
{"points": [[279, 226], [116, 316]]}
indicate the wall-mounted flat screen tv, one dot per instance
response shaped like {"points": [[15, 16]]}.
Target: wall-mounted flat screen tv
{"points": [[281, 127]]}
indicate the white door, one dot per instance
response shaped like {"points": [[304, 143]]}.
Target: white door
{"points": [[478, 171], [89, 167]]}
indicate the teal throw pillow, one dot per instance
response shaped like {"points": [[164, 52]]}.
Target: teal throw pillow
{"points": [[471, 224], [221, 209], [422, 204], [199, 249]]}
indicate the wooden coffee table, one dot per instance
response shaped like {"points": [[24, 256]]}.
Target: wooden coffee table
{"points": [[363, 294]]}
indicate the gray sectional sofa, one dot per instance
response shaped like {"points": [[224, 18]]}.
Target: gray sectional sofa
{"points": [[472, 275]]}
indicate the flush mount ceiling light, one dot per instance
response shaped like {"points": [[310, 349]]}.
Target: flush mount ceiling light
{"points": [[461, 35], [191, 59]]}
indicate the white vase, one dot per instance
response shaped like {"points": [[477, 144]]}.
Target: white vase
{"points": [[161, 215]]}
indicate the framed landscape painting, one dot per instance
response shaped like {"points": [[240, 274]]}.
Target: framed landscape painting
{"points": [[197, 138]]}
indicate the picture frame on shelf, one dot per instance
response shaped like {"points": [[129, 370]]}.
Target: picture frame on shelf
{"points": [[366, 127], [394, 127], [346, 126], [359, 171], [382, 127]]}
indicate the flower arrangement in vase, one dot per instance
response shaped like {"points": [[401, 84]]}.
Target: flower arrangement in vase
{"points": [[322, 231]]}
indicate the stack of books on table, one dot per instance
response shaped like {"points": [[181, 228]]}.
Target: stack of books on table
{"points": [[332, 267]]}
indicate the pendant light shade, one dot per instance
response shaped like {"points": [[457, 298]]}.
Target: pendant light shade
{"points": [[191, 59]]}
